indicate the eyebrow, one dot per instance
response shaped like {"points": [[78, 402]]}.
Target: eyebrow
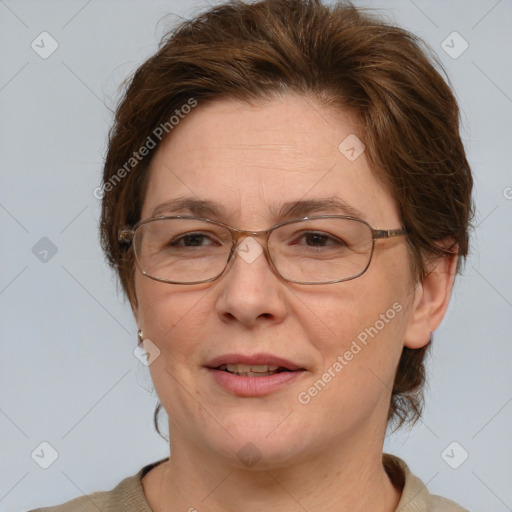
{"points": [[291, 209]]}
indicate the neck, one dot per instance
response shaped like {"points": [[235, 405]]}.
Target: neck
{"points": [[341, 480]]}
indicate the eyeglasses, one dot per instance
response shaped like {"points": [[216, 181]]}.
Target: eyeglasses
{"points": [[312, 250]]}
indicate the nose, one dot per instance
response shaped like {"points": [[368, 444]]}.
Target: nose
{"points": [[251, 291]]}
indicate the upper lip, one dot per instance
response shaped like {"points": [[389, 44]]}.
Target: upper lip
{"points": [[253, 360]]}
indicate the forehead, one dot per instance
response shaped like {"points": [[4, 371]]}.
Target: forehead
{"points": [[253, 159]]}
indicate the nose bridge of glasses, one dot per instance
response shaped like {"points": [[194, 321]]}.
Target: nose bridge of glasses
{"points": [[249, 252], [242, 234]]}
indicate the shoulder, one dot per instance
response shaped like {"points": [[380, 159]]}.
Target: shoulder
{"points": [[440, 504], [127, 496], [415, 495]]}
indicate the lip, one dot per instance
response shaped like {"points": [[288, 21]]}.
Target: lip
{"points": [[254, 386]]}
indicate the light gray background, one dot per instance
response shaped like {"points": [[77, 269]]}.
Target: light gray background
{"points": [[68, 374]]}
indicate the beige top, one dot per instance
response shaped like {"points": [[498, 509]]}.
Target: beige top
{"points": [[128, 495]]}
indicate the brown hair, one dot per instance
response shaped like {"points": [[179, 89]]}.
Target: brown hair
{"points": [[345, 59]]}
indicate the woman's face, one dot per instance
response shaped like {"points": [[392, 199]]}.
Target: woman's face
{"points": [[346, 337]]}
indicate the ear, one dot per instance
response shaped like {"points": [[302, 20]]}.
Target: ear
{"points": [[431, 299]]}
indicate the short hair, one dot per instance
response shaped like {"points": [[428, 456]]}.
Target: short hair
{"points": [[346, 59]]}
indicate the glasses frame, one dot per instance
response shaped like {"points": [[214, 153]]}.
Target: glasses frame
{"points": [[127, 235]]}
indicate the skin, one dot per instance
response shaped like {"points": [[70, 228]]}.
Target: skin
{"points": [[325, 455]]}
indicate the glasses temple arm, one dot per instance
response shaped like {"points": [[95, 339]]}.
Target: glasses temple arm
{"points": [[388, 233]]}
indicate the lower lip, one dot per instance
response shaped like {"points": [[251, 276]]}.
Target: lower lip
{"points": [[254, 386]]}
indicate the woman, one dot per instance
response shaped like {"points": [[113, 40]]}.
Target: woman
{"points": [[286, 200]]}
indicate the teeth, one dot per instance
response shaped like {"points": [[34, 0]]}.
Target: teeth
{"points": [[255, 374], [250, 370]]}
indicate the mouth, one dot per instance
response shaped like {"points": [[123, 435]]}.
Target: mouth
{"points": [[245, 370], [254, 375], [256, 365]]}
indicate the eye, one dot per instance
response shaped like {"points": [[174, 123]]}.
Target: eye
{"points": [[320, 239], [190, 240]]}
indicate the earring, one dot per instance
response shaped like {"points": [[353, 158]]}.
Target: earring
{"points": [[140, 336]]}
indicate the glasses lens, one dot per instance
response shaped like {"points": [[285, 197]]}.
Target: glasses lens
{"points": [[182, 250], [321, 250], [308, 251]]}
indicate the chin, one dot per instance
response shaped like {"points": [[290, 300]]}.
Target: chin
{"points": [[260, 445]]}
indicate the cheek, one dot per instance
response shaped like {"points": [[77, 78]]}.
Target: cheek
{"points": [[173, 319], [350, 309], [359, 356], [358, 328]]}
